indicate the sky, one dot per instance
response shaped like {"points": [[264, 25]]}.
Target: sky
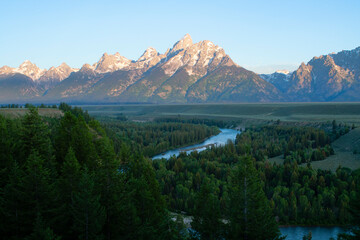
{"points": [[262, 36]]}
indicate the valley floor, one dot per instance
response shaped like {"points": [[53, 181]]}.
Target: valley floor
{"points": [[248, 113]]}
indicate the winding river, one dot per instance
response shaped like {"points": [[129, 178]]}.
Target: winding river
{"points": [[218, 140], [293, 232]]}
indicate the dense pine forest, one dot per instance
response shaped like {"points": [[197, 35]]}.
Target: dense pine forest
{"points": [[61, 178], [152, 138], [74, 177]]}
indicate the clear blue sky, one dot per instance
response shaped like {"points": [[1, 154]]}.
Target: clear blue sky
{"points": [[260, 35]]}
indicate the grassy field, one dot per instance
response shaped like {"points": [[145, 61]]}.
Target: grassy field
{"points": [[18, 112], [344, 153], [344, 148], [294, 112]]}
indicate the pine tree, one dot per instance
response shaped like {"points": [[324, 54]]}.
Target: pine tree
{"points": [[88, 214], [250, 215], [64, 135], [207, 216], [68, 185], [74, 132], [110, 184], [41, 231], [144, 212], [35, 135], [355, 211], [13, 200], [83, 145], [38, 188], [29, 192], [7, 145]]}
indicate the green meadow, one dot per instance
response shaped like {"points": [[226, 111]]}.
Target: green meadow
{"points": [[251, 113]]}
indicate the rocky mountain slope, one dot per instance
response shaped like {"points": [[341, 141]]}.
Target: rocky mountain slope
{"points": [[332, 77], [186, 73], [177, 76]]}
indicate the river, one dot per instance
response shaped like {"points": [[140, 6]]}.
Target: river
{"points": [[293, 232], [218, 140], [318, 233]]}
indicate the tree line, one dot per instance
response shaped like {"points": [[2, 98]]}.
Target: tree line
{"points": [[153, 138], [297, 195]]}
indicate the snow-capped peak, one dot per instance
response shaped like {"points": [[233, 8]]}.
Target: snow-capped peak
{"points": [[149, 53], [283, 71], [25, 64], [86, 67], [57, 74], [183, 43], [30, 69], [110, 63]]}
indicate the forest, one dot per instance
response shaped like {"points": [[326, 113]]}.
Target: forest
{"points": [[75, 177], [152, 138]]}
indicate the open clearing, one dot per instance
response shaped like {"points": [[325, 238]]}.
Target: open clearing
{"points": [[293, 112], [18, 112], [344, 153]]}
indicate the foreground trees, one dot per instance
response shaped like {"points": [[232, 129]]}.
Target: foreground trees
{"points": [[207, 218], [355, 211], [60, 178], [250, 215]]}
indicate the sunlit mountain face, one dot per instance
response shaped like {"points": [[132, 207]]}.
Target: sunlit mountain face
{"points": [[186, 73]]}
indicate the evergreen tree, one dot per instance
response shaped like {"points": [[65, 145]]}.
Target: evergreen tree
{"points": [[144, 211], [41, 231], [250, 215], [38, 188], [110, 185], [13, 200], [83, 145], [88, 214], [355, 211], [35, 135], [207, 216], [29, 192], [68, 185], [8, 141], [63, 137]]}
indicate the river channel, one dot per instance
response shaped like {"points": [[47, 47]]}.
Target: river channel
{"points": [[217, 140], [293, 232]]}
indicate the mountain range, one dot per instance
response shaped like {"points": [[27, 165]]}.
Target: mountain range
{"points": [[186, 73]]}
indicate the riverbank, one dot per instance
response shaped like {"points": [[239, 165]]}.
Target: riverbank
{"points": [[316, 225], [195, 148], [188, 145], [293, 232], [220, 139]]}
